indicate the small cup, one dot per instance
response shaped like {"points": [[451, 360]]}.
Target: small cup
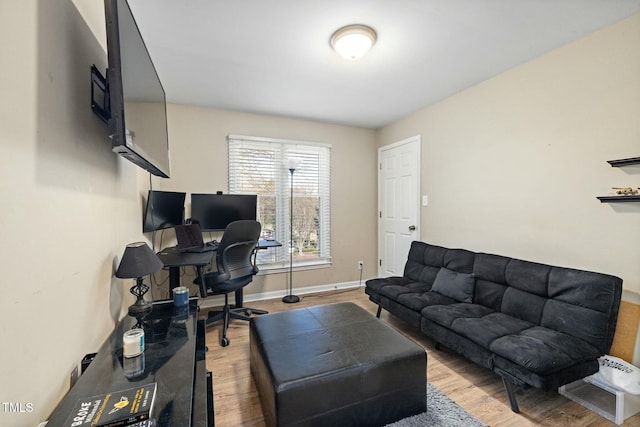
{"points": [[133, 343], [180, 296]]}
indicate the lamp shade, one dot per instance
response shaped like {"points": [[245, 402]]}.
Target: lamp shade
{"points": [[138, 260], [293, 163]]}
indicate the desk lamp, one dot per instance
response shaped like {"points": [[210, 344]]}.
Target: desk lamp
{"points": [[138, 261]]}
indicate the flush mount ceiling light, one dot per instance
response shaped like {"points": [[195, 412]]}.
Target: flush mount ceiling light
{"points": [[353, 41]]}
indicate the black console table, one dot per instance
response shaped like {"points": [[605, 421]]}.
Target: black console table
{"points": [[174, 358]]}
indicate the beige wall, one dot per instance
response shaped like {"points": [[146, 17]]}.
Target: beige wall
{"points": [[69, 205], [513, 165], [199, 165]]}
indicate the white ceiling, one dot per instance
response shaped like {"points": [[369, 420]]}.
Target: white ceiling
{"points": [[273, 56]]}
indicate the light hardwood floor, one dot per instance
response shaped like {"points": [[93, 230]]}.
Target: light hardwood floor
{"points": [[477, 390]]}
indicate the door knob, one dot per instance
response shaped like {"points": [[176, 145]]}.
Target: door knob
{"points": [[412, 227]]}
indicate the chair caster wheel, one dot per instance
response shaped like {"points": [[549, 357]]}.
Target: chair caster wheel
{"points": [[224, 342], [248, 312]]}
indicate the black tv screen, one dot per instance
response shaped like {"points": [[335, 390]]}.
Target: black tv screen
{"points": [[138, 122], [213, 212], [165, 209]]}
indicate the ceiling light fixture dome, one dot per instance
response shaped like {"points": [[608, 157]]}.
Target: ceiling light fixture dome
{"points": [[353, 41]]}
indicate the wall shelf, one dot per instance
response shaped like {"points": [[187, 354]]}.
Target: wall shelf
{"points": [[624, 162], [619, 199]]}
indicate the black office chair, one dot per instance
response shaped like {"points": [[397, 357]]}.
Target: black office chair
{"points": [[235, 259]]}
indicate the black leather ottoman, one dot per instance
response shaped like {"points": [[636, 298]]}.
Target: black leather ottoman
{"points": [[335, 365]]}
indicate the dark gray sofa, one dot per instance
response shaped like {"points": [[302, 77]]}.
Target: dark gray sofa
{"points": [[533, 324]]}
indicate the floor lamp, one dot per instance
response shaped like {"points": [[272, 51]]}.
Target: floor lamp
{"points": [[292, 164]]}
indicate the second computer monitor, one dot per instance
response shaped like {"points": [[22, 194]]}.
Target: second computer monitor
{"points": [[213, 212], [165, 209]]}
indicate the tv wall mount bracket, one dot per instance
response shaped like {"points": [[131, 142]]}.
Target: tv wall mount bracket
{"points": [[100, 99]]}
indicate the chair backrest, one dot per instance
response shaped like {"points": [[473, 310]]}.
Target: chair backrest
{"points": [[236, 249]]}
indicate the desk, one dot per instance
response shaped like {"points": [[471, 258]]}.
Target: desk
{"points": [[174, 358], [266, 244], [173, 259]]}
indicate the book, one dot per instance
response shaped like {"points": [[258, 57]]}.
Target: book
{"points": [[114, 409]]}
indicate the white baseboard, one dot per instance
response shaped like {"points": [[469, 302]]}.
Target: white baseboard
{"points": [[219, 300], [302, 291]]}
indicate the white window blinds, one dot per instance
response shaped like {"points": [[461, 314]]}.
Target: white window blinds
{"points": [[259, 166]]}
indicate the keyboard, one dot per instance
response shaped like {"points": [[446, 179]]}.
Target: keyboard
{"points": [[207, 247]]}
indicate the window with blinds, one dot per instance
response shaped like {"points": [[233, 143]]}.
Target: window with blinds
{"points": [[259, 166]]}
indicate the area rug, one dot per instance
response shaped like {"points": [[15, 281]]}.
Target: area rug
{"points": [[441, 412]]}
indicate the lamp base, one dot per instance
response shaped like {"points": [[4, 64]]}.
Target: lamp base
{"points": [[140, 308], [290, 299]]}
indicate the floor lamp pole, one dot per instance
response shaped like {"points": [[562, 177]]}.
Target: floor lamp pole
{"points": [[291, 298]]}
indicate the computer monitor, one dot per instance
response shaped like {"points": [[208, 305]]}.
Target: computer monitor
{"points": [[165, 209], [213, 212]]}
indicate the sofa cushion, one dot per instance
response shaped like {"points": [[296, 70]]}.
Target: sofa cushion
{"points": [[487, 329], [528, 276], [418, 301], [523, 305], [460, 260], [458, 286], [586, 324], [475, 322], [542, 350], [424, 261], [445, 315], [376, 285], [394, 290], [584, 304]]}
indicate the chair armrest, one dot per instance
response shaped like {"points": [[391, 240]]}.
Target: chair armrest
{"points": [[233, 245]]}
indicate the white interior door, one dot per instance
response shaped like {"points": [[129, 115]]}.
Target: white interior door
{"points": [[398, 204]]}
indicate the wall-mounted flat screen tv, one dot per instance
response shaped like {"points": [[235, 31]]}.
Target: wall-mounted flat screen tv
{"points": [[138, 122], [165, 209], [213, 212]]}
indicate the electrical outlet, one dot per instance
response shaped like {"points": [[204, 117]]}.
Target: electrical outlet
{"points": [[360, 265], [74, 375]]}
